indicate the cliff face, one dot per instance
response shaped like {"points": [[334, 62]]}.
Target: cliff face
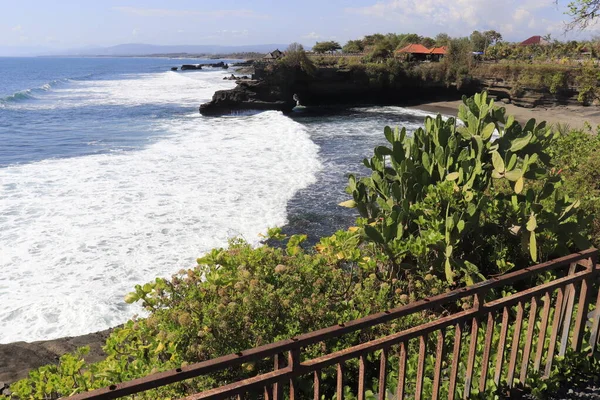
{"points": [[528, 97], [277, 87]]}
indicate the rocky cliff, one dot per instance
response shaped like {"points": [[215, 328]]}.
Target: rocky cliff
{"points": [[280, 88], [277, 87]]}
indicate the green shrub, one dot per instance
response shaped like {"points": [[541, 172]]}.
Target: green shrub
{"points": [[464, 201], [576, 155], [233, 300]]}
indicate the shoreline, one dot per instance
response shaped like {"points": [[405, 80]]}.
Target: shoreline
{"points": [[573, 116], [18, 358]]}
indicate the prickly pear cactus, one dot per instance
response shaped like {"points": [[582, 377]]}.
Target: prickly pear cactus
{"points": [[466, 197]]}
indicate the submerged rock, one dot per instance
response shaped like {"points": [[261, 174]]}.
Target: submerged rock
{"points": [[248, 95], [186, 67]]}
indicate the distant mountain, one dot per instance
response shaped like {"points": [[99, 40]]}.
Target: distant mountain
{"points": [[139, 49]]}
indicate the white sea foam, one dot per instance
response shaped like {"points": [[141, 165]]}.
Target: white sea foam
{"points": [[396, 110], [77, 234], [176, 88]]}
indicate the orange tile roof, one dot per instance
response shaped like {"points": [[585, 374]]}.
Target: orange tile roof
{"points": [[439, 50], [414, 49]]}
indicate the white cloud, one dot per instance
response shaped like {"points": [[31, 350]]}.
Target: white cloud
{"points": [[17, 28], [460, 16], [520, 14], [135, 32], [312, 35], [233, 33], [163, 12]]}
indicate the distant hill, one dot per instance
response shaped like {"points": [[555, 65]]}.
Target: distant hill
{"points": [[139, 49]]}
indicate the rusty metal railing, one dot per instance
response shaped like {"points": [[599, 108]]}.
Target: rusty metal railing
{"points": [[561, 306]]}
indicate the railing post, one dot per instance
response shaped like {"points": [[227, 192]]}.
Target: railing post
{"points": [[596, 315], [400, 392], [569, 302], [455, 360], [582, 307], [293, 363], [487, 347], [277, 394], [478, 300]]}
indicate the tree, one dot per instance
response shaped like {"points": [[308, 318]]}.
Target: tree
{"points": [[408, 38], [582, 12], [353, 46], [326, 47], [492, 37], [442, 39], [371, 40], [428, 42], [380, 52], [478, 41], [295, 56]]}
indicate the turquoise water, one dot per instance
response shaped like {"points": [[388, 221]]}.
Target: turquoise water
{"points": [[109, 177]]}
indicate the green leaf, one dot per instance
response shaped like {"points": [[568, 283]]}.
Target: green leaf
{"points": [[498, 162], [131, 298], [569, 210], [383, 151], [449, 272], [514, 175], [533, 246], [374, 234], [426, 162], [460, 226], [487, 132], [452, 176], [512, 162], [532, 223], [510, 120], [520, 143], [519, 185], [348, 204], [389, 134], [448, 252]]}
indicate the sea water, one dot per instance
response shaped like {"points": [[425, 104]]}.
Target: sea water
{"points": [[109, 177]]}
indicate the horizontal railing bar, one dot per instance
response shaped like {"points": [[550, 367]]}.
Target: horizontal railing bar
{"points": [[245, 385], [441, 323], [390, 340], [538, 290], [262, 352]]}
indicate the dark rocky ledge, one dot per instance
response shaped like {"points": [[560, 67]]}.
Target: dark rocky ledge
{"points": [[276, 87], [249, 95], [17, 359]]}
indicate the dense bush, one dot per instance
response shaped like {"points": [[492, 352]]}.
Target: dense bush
{"points": [[576, 155], [469, 198]]}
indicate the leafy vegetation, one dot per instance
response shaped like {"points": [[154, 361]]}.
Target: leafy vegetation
{"points": [[461, 200], [326, 47], [577, 156], [470, 200]]}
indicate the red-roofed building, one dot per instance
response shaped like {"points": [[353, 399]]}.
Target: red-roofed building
{"points": [[438, 52], [414, 51], [534, 40]]}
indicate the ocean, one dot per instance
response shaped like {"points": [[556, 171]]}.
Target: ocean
{"points": [[109, 177]]}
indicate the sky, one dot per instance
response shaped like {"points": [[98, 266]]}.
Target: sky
{"points": [[69, 24]]}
